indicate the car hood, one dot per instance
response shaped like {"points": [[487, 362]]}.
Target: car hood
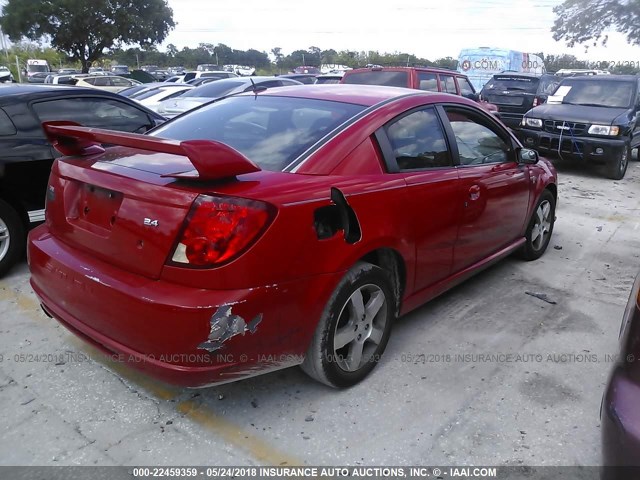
{"points": [[576, 113]]}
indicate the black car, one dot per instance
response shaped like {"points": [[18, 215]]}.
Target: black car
{"points": [[517, 93], [26, 155], [590, 118]]}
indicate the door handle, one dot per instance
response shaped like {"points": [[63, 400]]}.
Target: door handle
{"points": [[474, 192]]}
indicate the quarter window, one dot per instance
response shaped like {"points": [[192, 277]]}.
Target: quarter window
{"points": [[477, 143], [417, 141], [465, 87], [6, 125]]}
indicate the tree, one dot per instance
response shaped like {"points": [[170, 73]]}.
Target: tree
{"points": [[582, 21], [85, 29]]}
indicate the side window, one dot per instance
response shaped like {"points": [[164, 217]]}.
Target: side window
{"points": [[90, 81], [448, 84], [427, 81], [95, 112], [478, 144], [120, 82], [465, 87], [102, 82], [417, 141], [6, 125]]}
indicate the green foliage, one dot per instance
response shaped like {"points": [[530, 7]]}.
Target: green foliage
{"points": [[587, 21], [85, 29]]}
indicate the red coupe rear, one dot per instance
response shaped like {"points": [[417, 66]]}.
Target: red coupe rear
{"points": [[280, 227]]}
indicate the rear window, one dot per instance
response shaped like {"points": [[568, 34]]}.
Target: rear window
{"points": [[271, 131], [214, 89], [390, 79], [508, 82]]}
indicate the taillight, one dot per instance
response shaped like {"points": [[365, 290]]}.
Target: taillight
{"points": [[218, 229]]}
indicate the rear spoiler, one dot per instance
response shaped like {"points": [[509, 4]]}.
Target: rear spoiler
{"points": [[212, 160]]}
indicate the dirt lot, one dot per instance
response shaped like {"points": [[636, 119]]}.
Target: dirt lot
{"points": [[486, 374]]}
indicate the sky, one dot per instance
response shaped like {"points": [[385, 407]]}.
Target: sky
{"points": [[428, 29]]}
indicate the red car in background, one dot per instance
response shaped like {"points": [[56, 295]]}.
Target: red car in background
{"points": [[422, 78], [280, 227]]}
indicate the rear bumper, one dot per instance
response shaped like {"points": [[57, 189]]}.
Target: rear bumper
{"points": [[576, 147], [164, 329], [620, 419]]}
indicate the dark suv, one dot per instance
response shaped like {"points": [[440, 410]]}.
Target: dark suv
{"points": [[421, 78], [517, 93], [590, 118], [26, 155]]}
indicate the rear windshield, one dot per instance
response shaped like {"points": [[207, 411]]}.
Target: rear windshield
{"points": [[503, 83], [390, 79], [214, 89], [596, 93], [270, 131]]}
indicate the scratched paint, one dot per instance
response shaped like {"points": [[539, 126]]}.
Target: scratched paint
{"points": [[225, 325]]}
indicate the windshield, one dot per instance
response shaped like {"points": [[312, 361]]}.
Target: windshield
{"points": [[598, 93], [271, 131], [214, 89], [391, 79], [504, 83], [37, 68]]}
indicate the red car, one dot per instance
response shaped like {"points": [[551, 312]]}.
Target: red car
{"points": [[280, 227], [429, 79], [619, 412]]}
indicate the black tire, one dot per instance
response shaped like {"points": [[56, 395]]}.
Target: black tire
{"points": [[535, 247], [12, 237], [617, 168], [635, 153], [334, 366]]}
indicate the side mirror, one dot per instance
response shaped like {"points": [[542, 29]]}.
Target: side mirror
{"points": [[472, 96], [526, 156]]}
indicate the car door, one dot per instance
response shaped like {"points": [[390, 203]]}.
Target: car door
{"points": [[414, 145], [493, 188]]}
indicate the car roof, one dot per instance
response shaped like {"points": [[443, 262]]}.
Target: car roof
{"points": [[408, 69], [602, 78], [366, 95], [20, 91]]}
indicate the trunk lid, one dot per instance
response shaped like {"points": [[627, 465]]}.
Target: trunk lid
{"points": [[121, 213]]}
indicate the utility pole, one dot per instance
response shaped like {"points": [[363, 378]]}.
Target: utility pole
{"points": [[18, 68]]}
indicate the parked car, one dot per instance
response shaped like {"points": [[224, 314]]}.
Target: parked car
{"points": [[57, 79], [329, 78], [516, 93], [96, 70], [422, 78], [619, 414], [216, 74], [120, 70], [306, 78], [110, 83], [220, 88], [140, 87], [5, 74], [152, 97], [590, 118], [68, 71], [196, 82], [279, 227], [307, 69], [26, 155], [37, 77]]}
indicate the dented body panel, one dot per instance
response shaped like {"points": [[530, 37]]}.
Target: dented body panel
{"points": [[335, 205]]}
